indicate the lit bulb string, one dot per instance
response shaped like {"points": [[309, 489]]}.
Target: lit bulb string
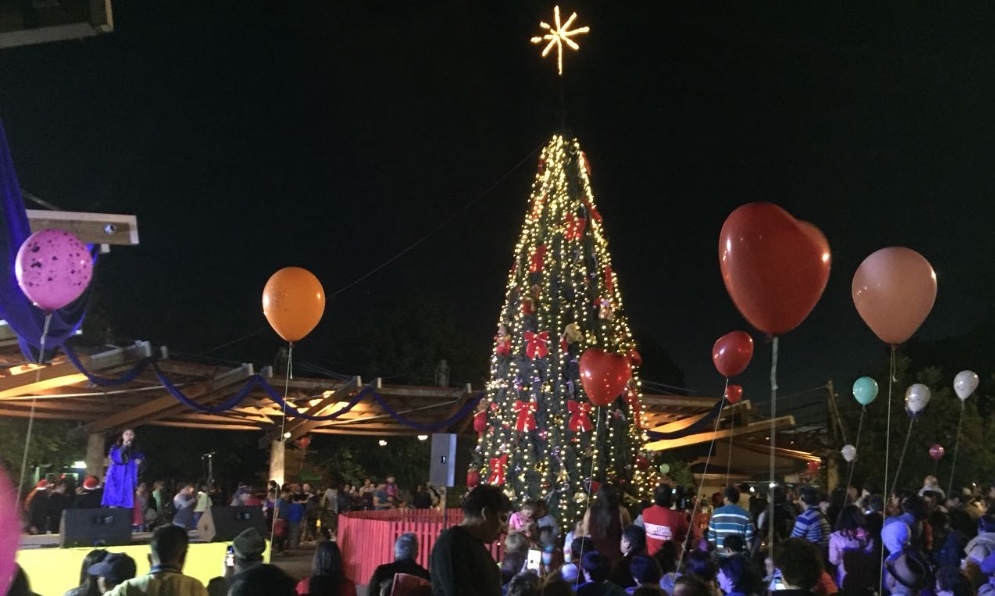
{"points": [[258, 382], [773, 440], [452, 216], [701, 484], [887, 441], [31, 415], [953, 465], [856, 447]]}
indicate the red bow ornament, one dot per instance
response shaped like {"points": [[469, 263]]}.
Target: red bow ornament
{"points": [[498, 464], [579, 420], [574, 227], [526, 411], [537, 258], [503, 343], [609, 280], [537, 344], [635, 408]]}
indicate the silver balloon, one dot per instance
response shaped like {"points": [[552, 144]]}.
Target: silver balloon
{"points": [[917, 397], [965, 383], [849, 452]]}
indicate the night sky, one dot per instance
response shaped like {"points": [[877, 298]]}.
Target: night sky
{"points": [[248, 136]]}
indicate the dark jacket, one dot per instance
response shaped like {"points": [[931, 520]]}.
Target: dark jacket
{"points": [[389, 570]]}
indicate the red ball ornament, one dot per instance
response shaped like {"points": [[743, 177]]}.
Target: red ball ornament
{"points": [[642, 462], [813, 467], [472, 478], [480, 421], [494, 407]]}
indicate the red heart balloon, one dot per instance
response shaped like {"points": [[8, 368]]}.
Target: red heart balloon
{"points": [[603, 375], [734, 393], [774, 266], [732, 353]]}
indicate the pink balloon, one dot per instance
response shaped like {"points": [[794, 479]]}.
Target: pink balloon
{"points": [[936, 451], [10, 531], [53, 268]]}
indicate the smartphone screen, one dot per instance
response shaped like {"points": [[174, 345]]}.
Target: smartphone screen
{"points": [[230, 556], [777, 583], [534, 561]]}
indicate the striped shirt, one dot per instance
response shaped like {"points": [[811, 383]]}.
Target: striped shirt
{"points": [[731, 519], [812, 526]]}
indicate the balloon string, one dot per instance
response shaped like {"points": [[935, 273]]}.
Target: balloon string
{"points": [[594, 458], [887, 444], [856, 447], [701, 484], [901, 460], [773, 442], [953, 465], [732, 434], [31, 415]]}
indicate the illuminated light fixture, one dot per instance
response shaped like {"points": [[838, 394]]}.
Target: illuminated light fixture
{"points": [[773, 484], [422, 437], [753, 490], [79, 465], [559, 35], [383, 443], [287, 435]]}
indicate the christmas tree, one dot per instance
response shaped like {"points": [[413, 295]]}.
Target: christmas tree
{"points": [[540, 435]]}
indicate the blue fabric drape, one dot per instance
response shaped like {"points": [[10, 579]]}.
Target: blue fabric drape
{"points": [[705, 424], [27, 321]]}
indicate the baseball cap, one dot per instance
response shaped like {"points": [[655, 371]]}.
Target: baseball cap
{"points": [[91, 483], [249, 544], [116, 568]]}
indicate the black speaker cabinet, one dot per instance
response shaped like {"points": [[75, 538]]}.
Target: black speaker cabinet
{"points": [[221, 524], [95, 527]]}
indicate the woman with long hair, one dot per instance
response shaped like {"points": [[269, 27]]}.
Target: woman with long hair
{"points": [[604, 521], [851, 536], [326, 577], [88, 583]]}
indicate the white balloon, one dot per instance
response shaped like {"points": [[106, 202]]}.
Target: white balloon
{"points": [[917, 397], [849, 452], [965, 383]]}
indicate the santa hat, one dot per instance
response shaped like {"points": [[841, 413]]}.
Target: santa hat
{"points": [[42, 484], [90, 483]]}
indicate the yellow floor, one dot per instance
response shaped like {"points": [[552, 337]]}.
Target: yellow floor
{"points": [[53, 571]]}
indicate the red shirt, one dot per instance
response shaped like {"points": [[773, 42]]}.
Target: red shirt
{"points": [[663, 525]]}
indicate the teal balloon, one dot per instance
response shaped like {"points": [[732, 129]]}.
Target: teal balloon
{"points": [[865, 389]]}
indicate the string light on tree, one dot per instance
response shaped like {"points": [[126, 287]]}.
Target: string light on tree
{"points": [[557, 35]]}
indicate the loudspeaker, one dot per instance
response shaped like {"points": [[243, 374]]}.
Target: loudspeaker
{"points": [[221, 524], [95, 527], [451, 456], [442, 469]]}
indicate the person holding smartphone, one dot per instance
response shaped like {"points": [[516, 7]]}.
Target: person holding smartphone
{"points": [[245, 552]]}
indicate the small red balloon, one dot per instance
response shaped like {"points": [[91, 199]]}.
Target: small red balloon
{"points": [[732, 353], [734, 393], [774, 266], [936, 452], [603, 375], [813, 467]]}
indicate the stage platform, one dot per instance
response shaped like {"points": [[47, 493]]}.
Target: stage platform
{"points": [[52, 570]]}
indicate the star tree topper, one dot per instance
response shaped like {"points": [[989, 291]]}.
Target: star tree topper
{"points": [[557, 35]]}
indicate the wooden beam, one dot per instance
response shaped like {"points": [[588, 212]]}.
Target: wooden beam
{"points": [[683, 423], [65, 373], [26, 413], [156, 409], [682, 401], [753, 427], [208, 426], [91, 228], [360, 433], [298, 427], [460, 425], [781, 451]]}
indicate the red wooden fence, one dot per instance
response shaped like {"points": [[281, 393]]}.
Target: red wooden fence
{"points": [[366, 538]]}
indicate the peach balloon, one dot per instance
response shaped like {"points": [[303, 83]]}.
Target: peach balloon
{"points": [[894, 290], [293, 302]]}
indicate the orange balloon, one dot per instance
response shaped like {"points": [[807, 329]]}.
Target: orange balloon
{"points": [[894, 289], [293, 302]]}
